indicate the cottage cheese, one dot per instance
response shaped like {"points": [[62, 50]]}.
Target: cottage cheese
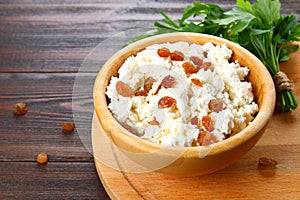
{"points": [[190, 121]]}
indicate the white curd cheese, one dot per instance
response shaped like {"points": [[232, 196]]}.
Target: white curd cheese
{"points": [[179, 107]]}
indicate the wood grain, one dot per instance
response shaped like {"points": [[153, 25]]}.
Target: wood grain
{"points": [[242, 180], [55, 36], [40, 129], [27, 180], [42, 46]]}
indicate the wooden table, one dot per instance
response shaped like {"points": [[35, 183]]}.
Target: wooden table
{"points": [[42, 46]]}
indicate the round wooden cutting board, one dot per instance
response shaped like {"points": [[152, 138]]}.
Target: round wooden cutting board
{"points": [[239, 181]]}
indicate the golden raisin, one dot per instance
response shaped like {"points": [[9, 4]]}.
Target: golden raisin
{"points": [[141, 93], [266, 163], [177, 56], [123, 89], [189, 68], [201, 137], [174, 108], [195, 120], [206, 65], [197, 61], [42, 158], [197, 82], [166, 102], [215, 105], [20, 109], [208, 123], [168, 81], [163, 52], [157, 90], [68, 126]]}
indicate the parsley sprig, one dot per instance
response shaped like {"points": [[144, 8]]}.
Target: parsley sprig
{"points": [[258, 27]]}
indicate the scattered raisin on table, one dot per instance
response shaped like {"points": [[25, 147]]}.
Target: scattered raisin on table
{"points": [[20, 109], [68, 126], [42, 158], [265, 162]]}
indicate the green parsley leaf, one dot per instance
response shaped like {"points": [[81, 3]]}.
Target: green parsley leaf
{"points": [[259, 27]]}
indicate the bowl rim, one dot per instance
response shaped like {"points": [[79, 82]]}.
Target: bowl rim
{"points": [[261, 119]]}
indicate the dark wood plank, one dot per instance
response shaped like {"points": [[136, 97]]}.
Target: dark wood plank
{"points": [[55, 36], [49, 101], [28, 180], [63, 34]]}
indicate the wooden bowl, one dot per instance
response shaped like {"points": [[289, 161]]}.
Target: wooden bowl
{"points": [[187, 161]]}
